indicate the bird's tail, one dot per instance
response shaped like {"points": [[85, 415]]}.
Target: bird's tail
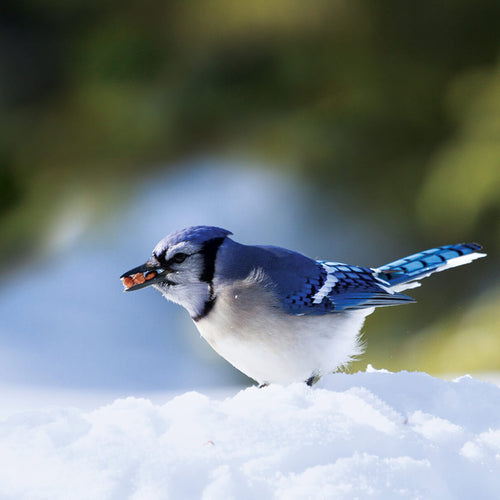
{"points": [[404, 273]]}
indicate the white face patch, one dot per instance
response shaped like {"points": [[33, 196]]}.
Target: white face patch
{"points": [[186, 288], [188, 272], [328, 285]]}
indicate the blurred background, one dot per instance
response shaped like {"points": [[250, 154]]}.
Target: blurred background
{"points": [[353, 131]]}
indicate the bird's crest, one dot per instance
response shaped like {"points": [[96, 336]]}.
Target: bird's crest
{"points": [[195, 234]]}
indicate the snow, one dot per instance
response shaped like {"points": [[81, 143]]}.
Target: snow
{"points": [[373, 434]]}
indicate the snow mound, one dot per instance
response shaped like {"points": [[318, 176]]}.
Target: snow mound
{"points": [[373, 434]]}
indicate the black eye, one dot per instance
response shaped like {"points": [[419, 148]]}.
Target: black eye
{"points": [[179, 257]]}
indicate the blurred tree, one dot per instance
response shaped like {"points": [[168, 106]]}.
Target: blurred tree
{"points": [[463, 180]]}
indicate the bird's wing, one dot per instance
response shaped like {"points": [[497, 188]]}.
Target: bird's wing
{"points": [[338, 287], [306, 286]]}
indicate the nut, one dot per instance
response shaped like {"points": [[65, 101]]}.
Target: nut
{"points": [[151, 275], [139, 278], [128, 282]]}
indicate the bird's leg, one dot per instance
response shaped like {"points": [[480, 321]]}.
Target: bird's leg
{"points": [[261, 386], [312, 380]]}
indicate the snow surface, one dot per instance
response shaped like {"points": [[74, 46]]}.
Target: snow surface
{"points": [[373, 434]]}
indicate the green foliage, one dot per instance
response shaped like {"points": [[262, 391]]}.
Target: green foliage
{"points": [[463, 180]]}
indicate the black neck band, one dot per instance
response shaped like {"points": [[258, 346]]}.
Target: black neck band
{"points": [[209, 253], [209, 304]]}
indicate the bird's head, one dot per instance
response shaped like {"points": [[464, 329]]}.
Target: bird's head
{"points": [[182, 267]]}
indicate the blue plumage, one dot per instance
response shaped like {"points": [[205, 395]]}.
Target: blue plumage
{"points": [[423, 263], [352, 287]]}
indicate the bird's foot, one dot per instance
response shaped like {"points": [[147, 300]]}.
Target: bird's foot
{"points": [[312, 380]]}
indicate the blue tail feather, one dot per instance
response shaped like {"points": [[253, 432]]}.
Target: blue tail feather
{"points": [[424, 263]]}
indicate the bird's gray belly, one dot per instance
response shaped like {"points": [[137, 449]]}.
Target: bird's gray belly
{"points": [[271, 346]]}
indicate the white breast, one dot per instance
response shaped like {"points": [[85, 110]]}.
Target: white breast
{"points": [[248, 329]]}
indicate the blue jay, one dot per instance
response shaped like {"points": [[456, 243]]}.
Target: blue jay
{"points": [[275, 314]]}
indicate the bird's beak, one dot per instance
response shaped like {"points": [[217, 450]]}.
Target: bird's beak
{"points": [[142, 276]]}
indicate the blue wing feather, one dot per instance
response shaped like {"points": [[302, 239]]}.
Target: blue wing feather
{"points": [[354, 288]]}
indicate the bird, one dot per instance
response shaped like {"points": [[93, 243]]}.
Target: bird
{"points": [[274, 314]]}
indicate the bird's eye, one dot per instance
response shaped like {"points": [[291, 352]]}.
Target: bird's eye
{"points": [[179, 257]]}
